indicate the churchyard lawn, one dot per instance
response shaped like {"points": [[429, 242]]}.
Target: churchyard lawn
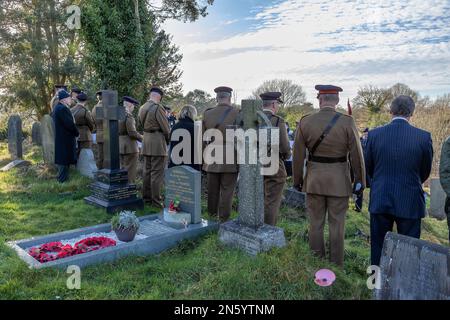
{"points": [[33, 204]]}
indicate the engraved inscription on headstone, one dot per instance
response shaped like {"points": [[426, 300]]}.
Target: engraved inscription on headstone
{"points": [[184, 183], [413, 269]]}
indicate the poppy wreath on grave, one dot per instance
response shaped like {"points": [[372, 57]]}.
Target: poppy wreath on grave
{"points": [[56, 250]]}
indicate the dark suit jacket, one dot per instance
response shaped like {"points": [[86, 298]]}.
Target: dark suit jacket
{"points": [[65, 134], [188, 125], [398, 161]]}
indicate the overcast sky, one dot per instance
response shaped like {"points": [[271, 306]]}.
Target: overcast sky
{"points": [[241, 43]]}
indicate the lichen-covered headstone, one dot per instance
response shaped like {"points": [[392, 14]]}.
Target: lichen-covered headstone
{"points": [[48, 139], [36, 134], [15, 137], [86, 164], [413, 269]]}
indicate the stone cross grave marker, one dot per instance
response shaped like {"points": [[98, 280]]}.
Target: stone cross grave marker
{"points": [[183, 183], [15, 137], [413, 269], [48, 139], [36, 134], [249, 232], [111, 189]]}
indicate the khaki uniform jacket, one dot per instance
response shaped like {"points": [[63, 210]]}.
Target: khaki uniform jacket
{"points": [[284, 147], [328, 179], [84, 122], [156, 129], [98, 124], [128, 135], [211, 119]]}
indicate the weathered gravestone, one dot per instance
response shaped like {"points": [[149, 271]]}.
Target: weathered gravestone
{"points": [[249, 232], [437, 200], [86, 164], [183, 184], [111, 189], [15, 137], [413, 269], [48, 139], [294, 199], [36, 134]]}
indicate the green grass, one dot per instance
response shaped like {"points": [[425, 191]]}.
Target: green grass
{"points": [[33, 204]]}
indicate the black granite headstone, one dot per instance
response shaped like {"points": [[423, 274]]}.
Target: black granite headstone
{"points": [[111, 189]]}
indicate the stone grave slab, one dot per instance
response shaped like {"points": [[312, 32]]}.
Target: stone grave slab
{"points": [[48, 139], [294, 199], [36, 137], [413, 269], [437, 200], [183, 183], [153, 237], [16, 164], [86, 164], [15, 137]]}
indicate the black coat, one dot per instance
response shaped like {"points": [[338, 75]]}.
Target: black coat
{"points": [[65, 136], [188, 125]]}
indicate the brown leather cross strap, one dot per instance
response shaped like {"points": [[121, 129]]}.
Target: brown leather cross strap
{"points": [[325, 133], [222, 119]]}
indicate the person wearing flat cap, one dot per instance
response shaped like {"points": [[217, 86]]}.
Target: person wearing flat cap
{"points": [[152, 117], [273, 185], [221, 177], [332, 140], [99, 135], [128, 140], [54, 101], [84, 122], [66, 133]]}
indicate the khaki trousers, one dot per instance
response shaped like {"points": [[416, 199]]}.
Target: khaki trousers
{"points": [[317, 207], [153, 179], [129, 163], [220, 194], [273, 192], [100, 156]]}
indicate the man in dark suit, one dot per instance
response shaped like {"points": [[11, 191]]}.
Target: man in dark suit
{"points": [[65, 136], [398, 161]]}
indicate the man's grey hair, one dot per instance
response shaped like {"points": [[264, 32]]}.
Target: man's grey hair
{"points": [[223, 95], [403, 106], [268, 103], [332, 98], [188, 112]]}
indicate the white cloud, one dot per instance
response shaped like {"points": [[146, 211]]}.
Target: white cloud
{"points": [[347, 43]]}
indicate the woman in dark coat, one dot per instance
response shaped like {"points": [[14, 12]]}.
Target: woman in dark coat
{"points": [[186, 122], [65, 136]]}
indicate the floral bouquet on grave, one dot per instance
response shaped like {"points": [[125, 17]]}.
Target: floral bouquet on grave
{"points": [[174, 206]]}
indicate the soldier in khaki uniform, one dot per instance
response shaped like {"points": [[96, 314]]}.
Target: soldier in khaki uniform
{"points": [[84, 122], [128, 138], [99, 132], [331, 139], [74, 94], [273, 185], [222, 177], [152, 117], [55, 100]]}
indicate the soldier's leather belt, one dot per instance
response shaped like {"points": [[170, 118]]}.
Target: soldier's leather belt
{"points": [[152, 131], [327, 160]]}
